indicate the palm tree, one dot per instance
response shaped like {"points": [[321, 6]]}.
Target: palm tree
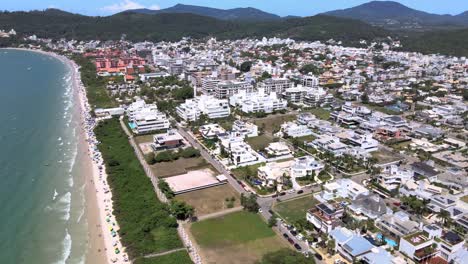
{"points": [[444, 215]]}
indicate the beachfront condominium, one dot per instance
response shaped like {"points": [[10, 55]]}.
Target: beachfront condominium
{"points": [[148, 120], [204, 104]]}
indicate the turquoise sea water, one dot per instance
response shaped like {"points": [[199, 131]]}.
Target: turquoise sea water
{"points": [[41, 196]]}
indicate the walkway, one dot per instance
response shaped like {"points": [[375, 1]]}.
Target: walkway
{"points": [[220, 213], [164, 253]]}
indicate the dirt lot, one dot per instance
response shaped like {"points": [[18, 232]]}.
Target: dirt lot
{"points": [[180, 166], [273, 122], [210, 200]]}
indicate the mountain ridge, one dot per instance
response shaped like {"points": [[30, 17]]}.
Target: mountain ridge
{"points": [[394, 15], [242, 13]]}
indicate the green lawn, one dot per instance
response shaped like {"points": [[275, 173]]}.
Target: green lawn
{"points": [[260, 142], [179, 257], [235, 238], [146, 225], [179, 166], [296, 209], [234, 228]]}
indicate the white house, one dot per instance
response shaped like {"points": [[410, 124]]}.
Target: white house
{"points": [[304, 166], [294, 130], [344, 188], [276, 149], [239, 151], [393, 176], [273, 172], [245, 129], [363, 140]]}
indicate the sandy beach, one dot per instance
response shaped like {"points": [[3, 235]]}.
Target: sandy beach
{"points": [[104, 244]]}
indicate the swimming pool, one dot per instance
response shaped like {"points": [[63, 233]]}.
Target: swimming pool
{"points": [[388, 241], [132, 125]]}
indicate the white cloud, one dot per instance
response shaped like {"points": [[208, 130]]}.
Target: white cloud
{"points": [[154, 7], [124, 5]]}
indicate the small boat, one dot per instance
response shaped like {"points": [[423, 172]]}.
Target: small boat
{"points": [[47, 164]]}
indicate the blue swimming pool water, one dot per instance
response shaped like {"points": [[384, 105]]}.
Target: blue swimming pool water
{"points": [[389, 242], [132, 125]]}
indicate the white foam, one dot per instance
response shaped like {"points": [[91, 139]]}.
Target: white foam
{"points": [[65, 205], [59, 139], [66, 248], [55, 195]]}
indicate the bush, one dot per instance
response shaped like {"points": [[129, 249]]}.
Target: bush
{"points": [[164, 156], [189, 153], [166, 189]]}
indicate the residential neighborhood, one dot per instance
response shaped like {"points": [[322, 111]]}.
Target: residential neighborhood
{"points": [[351, 155]]}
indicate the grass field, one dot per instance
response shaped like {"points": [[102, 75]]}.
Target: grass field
{"points": [[240, 237], [296, 209], [320, 113], [260, 142], [146, 225], [179, 166], [273, 122], [210, 200], [179, 257]]}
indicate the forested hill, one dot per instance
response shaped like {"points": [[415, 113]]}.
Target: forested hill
{"points": [[248, 13], [54, 23]]}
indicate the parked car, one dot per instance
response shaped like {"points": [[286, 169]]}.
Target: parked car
{"points": [[290, 240], [282, 193], [299, 248], [318, 256], [300, 191], [294, 233], [285, 235], [271, 212]]}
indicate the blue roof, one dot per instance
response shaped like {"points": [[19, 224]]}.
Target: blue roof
{"points": [[379, 256], [341, 235], [358, 245]]}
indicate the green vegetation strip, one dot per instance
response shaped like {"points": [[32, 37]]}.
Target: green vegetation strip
{"points": [[179, 257], [235, 228], [146, 225], [95, 85]]}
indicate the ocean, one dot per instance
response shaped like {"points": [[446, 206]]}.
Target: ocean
{"points": [[42, 194]]}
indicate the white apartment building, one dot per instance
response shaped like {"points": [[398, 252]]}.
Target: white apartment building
{"points": [[275, 85], [294, 130], [316, 97], [226, 89], [208, 85], [148, 120], [257, 102], [204, 104], [137, 106], [310, 81], [296, 94]]}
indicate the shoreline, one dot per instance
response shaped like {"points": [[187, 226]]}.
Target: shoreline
{"points": [[102, 224]]}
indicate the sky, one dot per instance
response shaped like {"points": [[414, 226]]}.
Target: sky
{"points": [[279, 7]]}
